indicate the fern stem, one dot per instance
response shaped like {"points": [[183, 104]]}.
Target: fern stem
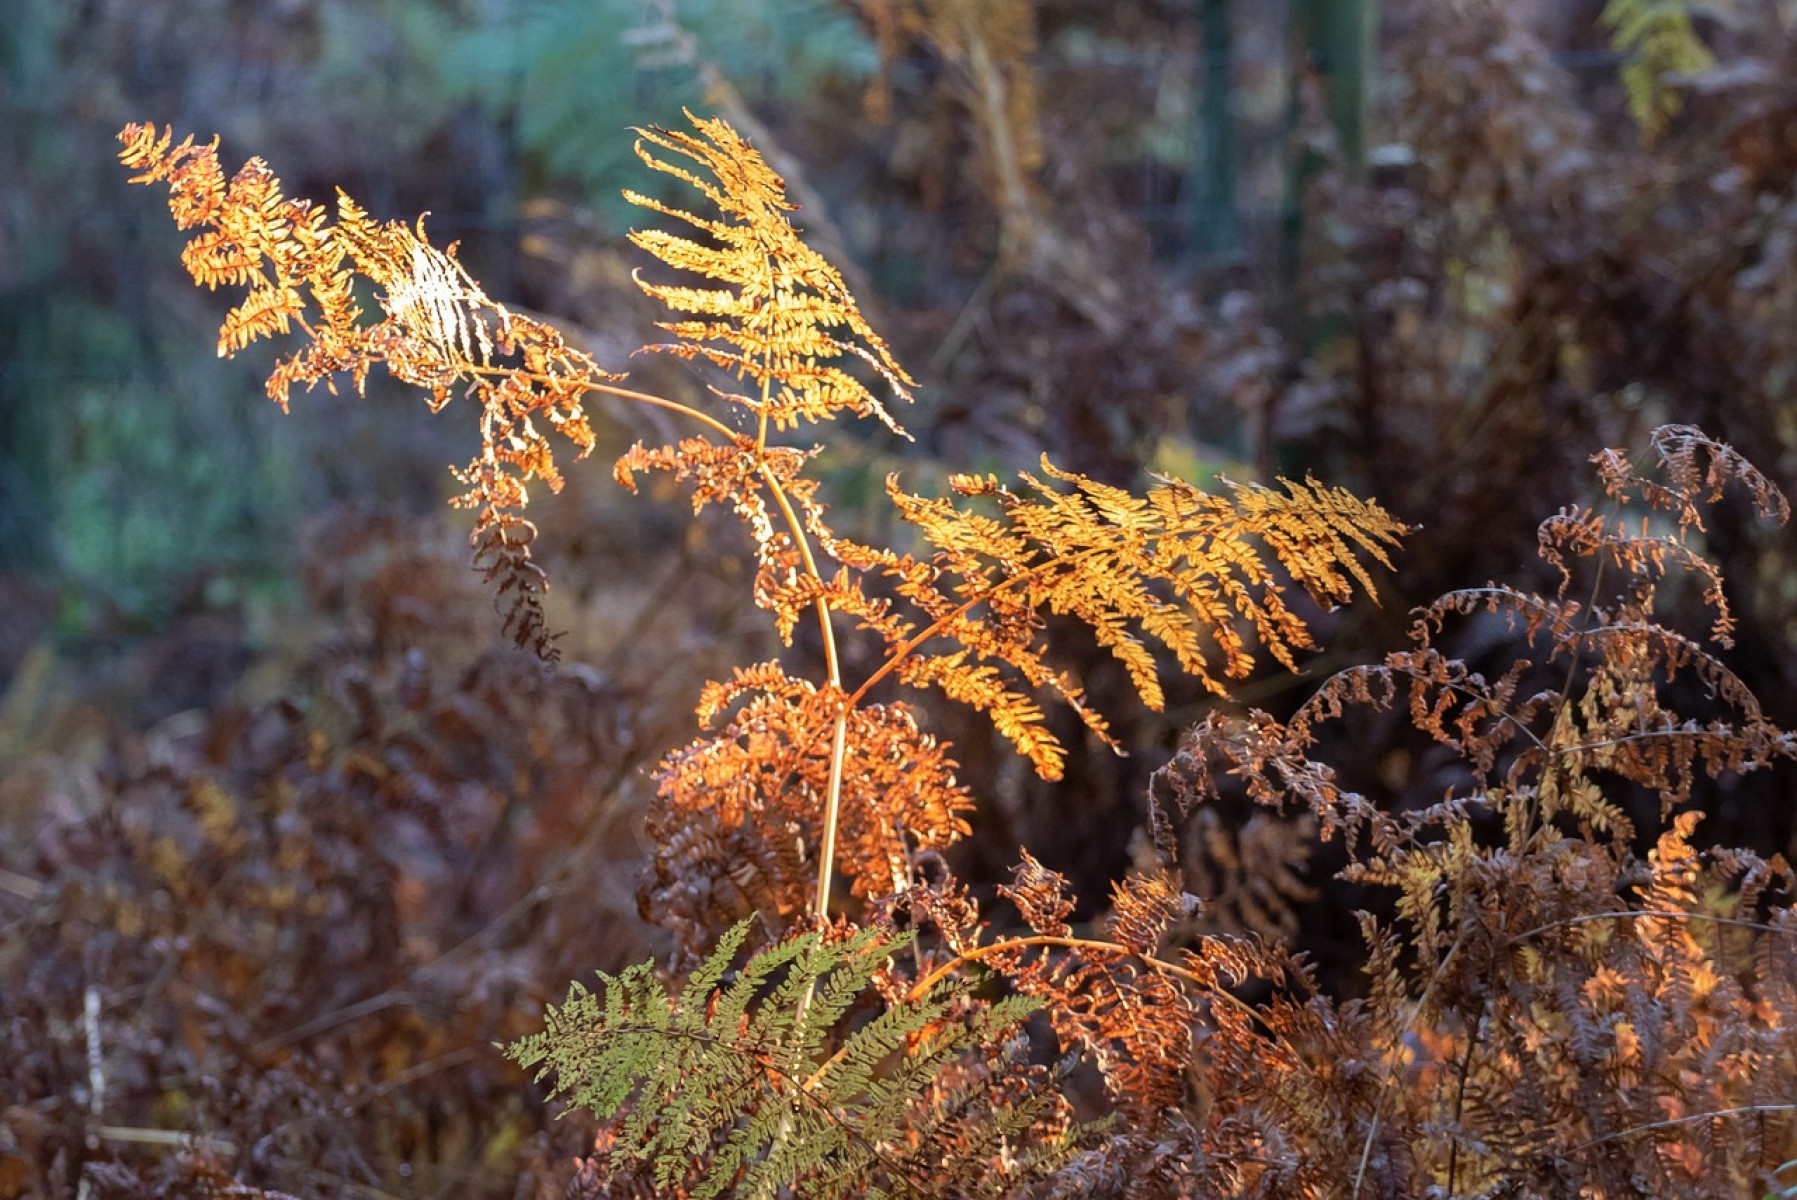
{"points": [[1652, 914], [904, 651], [826, 853], [612, 389], [1687, 1119], [1158, 965], [1466, 1070], [1575, 653], [826, 865], [1416, 1011], [685, 410]]}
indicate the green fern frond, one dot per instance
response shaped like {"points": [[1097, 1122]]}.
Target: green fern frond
{"points": [[1657, 42], [746, 1084]]}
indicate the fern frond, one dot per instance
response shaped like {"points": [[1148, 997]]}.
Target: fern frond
{"points": [[738, 812], [747, 1085], [1195, 572], [1134, 1022], [1697, 470], [1546, 1007], [438, 331], [784, 320], [1657, 41]]}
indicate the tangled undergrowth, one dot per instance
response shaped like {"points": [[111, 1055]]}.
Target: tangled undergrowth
{"points": [[1566, 992]]}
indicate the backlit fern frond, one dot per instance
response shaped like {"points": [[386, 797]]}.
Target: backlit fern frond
{"points": [[760, 484], [784, 320], [1198, 573], [437, 331], [737, 818], [1133, 1021], [1114, 997], [745, 1083], [1657, 41]]}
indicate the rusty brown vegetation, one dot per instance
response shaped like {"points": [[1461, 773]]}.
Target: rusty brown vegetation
{"points": [[1566, 993], [1484, 900]]}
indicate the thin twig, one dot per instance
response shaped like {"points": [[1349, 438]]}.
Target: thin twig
{"points": [[1657, 914], [1674, 1122]]}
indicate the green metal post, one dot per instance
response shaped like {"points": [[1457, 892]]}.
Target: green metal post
{"points": [[1211, 215]]}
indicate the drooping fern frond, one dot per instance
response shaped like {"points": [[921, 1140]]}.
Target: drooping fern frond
{"points": [[1196, 572], [746, 1083], [1114, 996], [1657, 42], [437, 331], [784, 321]]}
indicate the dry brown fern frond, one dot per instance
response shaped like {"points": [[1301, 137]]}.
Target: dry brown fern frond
{"points": [[738, 818], [1132, 1008], [1550, 1011], [1134, 1021], [437, 330]]}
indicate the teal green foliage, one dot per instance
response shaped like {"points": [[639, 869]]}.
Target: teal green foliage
{"points": [[576, 74], [148, 490], [748, 1083]]}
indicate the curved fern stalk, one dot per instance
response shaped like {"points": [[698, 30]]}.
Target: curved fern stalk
{"points": [[732, 1088]]}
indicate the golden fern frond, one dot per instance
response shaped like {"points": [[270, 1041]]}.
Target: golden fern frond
{"points": [[755, 482], [738, 812], [784, 320], [1134, 1022], [1195, 572], [438, 331], [747, 1087], [257, 237], [1657, 41]]}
